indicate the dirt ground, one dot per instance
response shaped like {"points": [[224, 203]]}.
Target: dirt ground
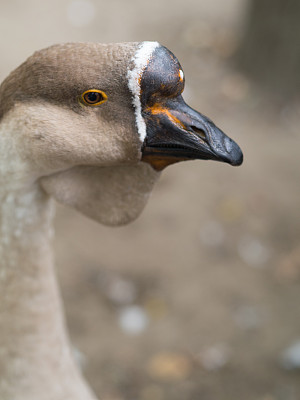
{"points": [[199, 298]]}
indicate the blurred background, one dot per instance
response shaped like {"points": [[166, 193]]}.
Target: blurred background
{"points": [[198, 299]]}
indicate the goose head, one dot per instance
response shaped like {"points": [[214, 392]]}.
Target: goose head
{"points": [[93, 125]]}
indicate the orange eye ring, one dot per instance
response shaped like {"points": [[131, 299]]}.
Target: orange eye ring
{"points": [[93, 97]]}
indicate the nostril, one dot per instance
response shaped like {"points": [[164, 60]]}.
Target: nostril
{"points": [[199, 132]]}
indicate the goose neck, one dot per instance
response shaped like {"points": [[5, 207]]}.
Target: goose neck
{"points": [[35, 355]]}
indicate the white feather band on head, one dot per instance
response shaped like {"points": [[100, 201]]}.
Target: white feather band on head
{"points": [[141, 59]]}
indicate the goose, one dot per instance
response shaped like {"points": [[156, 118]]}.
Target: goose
{"points": [[92, 126]]}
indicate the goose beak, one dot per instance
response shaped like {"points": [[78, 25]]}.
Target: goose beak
{"points": [[176, 132]]}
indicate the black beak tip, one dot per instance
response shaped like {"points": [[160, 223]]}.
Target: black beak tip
{"points": [[237, 160], [234, 153], [235, 157]]}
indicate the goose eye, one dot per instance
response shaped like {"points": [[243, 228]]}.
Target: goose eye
{"points": [[93, 97]]}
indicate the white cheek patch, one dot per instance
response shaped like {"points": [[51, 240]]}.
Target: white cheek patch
{"points": [[140, 59]]}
